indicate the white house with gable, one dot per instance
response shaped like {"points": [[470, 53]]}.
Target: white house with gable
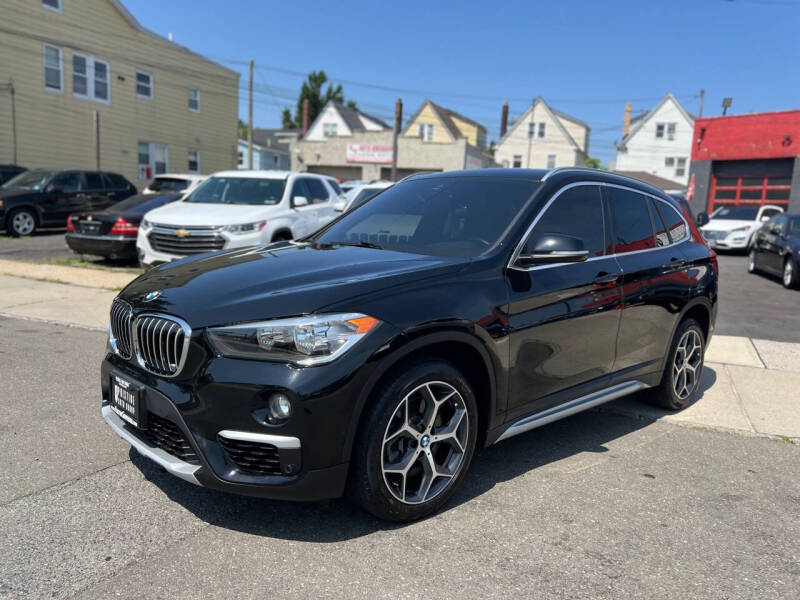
{"points": [[338, 120], [543, 138], [658, 142]]}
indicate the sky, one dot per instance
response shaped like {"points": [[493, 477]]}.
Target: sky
{"points": [[584, 57]]}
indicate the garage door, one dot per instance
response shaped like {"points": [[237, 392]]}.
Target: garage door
{"points": [[341, 173], [749, 190]]}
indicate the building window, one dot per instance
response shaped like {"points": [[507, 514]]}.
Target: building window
{"points": [[659, 130], [531, 130], [541, 130], [240, 157], [194, 161], [680, 170], [52, 5], [90, 78], [425, 131], [517, 161], [153, 159], [671, 131], [53, 69], [669, 161], [551, 161], [194, 100], [144, 85], [329, 129], [275, 160]]}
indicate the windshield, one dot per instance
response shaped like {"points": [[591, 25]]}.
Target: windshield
{"points": [[739, 213], [29, 180], [168, 184], [794, 226], [364, 195], [239, 190], [441, 216]]}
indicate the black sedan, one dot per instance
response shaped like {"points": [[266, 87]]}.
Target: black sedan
{"points": [[776, 249], [112, 232]]}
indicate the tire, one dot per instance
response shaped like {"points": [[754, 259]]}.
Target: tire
{"points": [[395, 452], [21, 222], [791, 277], [751, 262], [680, 382]]}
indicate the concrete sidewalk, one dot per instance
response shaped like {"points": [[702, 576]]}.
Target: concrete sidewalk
{"points": [[748, 386], [79, 276]]}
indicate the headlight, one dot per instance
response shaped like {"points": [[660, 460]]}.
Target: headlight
{"points": [[302, 341], [145, 224], [246, 227], [740, 229]]}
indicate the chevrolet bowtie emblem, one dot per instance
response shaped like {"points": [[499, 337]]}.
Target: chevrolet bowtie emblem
{"points": [[181, 233]]}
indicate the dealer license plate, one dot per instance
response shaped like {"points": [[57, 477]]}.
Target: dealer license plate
{"points": [[125, 400]]}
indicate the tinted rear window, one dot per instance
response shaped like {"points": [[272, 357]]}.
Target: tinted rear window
{"points": [[117, 181], [94, 181], [168, 184], [141, 203], [319, 192], [631, 221]]}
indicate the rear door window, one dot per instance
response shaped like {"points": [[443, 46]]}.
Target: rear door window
{"points": [[577, 212], [319, 193], [632, 227], [299, 188], [69, 182], [335, 185], [94, 181]]}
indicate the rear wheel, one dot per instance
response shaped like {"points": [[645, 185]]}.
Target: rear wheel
{"points": [[751, 262], [680, 382], [417, 442], [791, 278], [21, 222]]}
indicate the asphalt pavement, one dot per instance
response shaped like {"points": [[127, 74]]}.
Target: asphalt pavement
{"points": [[597, 505]]}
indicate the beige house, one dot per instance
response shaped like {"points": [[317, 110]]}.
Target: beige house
{"points": [[82, 83], [543, 138], [439, 125], [348, 144]]}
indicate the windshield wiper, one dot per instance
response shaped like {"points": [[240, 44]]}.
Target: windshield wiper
{"points": [[362, 244]]}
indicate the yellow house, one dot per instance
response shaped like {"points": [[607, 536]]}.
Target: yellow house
{"points": [[437, 124], [83, 84]]}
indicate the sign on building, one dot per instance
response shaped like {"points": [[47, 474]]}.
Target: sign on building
{"points": [[369, 153]]}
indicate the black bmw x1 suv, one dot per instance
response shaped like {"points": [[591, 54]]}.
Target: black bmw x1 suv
{"points": [[447, 313]]}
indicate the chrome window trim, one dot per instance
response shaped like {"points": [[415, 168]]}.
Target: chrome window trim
{"points": [[283, 442], [187, 334], [529, 230]]}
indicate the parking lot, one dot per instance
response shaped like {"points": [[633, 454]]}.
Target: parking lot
{"points": [[604, 504]]}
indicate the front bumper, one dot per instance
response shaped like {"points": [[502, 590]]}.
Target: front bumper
{"points": [[151, 257], [222, 399], [733, 241], [110, 246]]}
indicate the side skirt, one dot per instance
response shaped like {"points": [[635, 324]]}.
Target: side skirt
{"points": [[572, 407]]}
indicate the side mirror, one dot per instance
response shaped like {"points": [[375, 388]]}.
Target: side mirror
{"points": [[702, 219], [339, 205], [764, 218], [554, 248], [299, 201]]}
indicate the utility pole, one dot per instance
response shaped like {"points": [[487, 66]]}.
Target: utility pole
{"points": [[250, 121], [10, 87], [702, 102], [398, 119], [530, 136], [97, 139]]}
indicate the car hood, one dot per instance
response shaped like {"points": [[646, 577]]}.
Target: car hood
{"points": [[182, 214], [278, 280], [726, 224]]}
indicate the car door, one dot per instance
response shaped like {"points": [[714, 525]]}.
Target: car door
{"points": [[114, 192], [62, 197], [302, 214], [95, 191], [321, 199], [655, 278], [771, 244], [563, 318]]}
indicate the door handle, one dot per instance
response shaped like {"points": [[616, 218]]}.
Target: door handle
{"points": [[677, 262], [604, 278]]}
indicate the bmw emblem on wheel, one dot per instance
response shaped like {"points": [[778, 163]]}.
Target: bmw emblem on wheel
{"points": [[152, 296]]}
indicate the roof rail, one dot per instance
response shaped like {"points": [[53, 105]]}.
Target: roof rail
{"points": [[562, 169], [418, 173]]}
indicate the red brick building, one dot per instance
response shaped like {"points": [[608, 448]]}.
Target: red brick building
{"points": [[747, 159]]}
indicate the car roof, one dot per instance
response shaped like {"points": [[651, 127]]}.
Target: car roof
{"points": [[265, 174]]}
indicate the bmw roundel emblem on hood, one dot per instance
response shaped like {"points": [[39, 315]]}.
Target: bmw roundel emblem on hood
{"points": [[152, 296]]}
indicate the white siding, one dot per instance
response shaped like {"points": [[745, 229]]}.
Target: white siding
{"points": [[316, 133], [645, 152]]}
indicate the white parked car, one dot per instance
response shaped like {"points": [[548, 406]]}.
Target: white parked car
{"points": [[234, 209], [361, 193], [170, 183], [733, 227]]}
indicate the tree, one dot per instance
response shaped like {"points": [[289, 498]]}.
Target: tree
{"points": [[593, 163], [312, 90], [242, 130]]}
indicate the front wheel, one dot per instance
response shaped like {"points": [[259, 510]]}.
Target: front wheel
{"points": [[416, 443], [751, 262], [680, 382], [791, 278], [21, 222]]}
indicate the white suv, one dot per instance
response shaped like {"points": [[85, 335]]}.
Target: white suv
{"points": [[733, 227], [234, 209]]}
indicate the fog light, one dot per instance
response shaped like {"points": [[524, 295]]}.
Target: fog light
{"points": [[279, 408]]}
